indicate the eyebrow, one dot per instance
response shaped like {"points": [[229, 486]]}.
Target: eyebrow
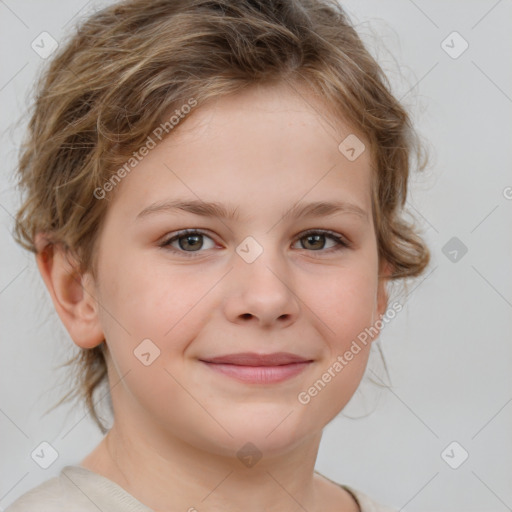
{"points": [[215, 209]]}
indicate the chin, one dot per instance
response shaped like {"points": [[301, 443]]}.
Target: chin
{"points": [[262, 438]]}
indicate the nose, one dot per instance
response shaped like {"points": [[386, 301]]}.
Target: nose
{"points": [[262, 292]]}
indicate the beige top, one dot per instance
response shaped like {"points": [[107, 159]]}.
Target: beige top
{"points": [[78, 489]]}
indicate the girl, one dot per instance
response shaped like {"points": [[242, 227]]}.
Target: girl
{"points": [[213, 194]]}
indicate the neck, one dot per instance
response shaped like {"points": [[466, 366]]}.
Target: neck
{"points": [[173, 475]]}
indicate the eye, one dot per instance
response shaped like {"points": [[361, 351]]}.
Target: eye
{"points": [[315, 240], [189, 242]]}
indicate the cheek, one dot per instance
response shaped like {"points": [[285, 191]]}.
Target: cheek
{"points": [[352, 313], [347, 351], [144, 299], [144, 294], [344, 301]]}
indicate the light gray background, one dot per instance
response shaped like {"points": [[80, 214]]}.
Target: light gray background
{"points": [[449, 350]]}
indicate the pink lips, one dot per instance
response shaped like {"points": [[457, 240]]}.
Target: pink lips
{"points": [[258, 368]]}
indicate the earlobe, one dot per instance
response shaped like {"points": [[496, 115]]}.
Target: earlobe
{"points": [[71, 293]]}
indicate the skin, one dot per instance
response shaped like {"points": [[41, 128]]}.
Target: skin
{"points": [[178, 425]]}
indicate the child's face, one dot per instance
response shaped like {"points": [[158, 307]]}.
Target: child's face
{"points": [[261, 153]]}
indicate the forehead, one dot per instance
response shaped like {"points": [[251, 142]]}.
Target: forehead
{"points": [[265, 146]]}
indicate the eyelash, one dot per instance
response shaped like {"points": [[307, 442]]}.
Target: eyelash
{"points": [[342, 242]]}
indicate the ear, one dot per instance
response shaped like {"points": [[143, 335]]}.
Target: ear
{"points": [[72, 294], [382, 299], [385, 269]]}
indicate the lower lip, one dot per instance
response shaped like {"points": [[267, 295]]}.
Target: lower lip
{"points": [[259, 374]]}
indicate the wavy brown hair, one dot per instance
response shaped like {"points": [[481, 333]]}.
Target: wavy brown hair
{"points": [[130, 64]]}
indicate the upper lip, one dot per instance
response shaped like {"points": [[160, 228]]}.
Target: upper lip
{"points": [[254, 359]]}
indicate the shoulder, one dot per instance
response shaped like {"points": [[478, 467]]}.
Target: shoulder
{"points": [[49, 496], [367, 504], [78, 489], [362, 500]]}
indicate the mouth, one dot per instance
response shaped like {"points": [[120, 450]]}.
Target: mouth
{"points": [[256, 368]]}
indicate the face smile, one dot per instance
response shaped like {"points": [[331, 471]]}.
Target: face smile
{"points": [[243, 247], [256, 368]]}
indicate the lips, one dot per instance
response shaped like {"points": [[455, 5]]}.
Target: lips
{"points": [[254, 359], [253, 368]]}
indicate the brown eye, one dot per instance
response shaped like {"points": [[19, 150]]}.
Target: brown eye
{"points": [[188, 241], [316, 241]]}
